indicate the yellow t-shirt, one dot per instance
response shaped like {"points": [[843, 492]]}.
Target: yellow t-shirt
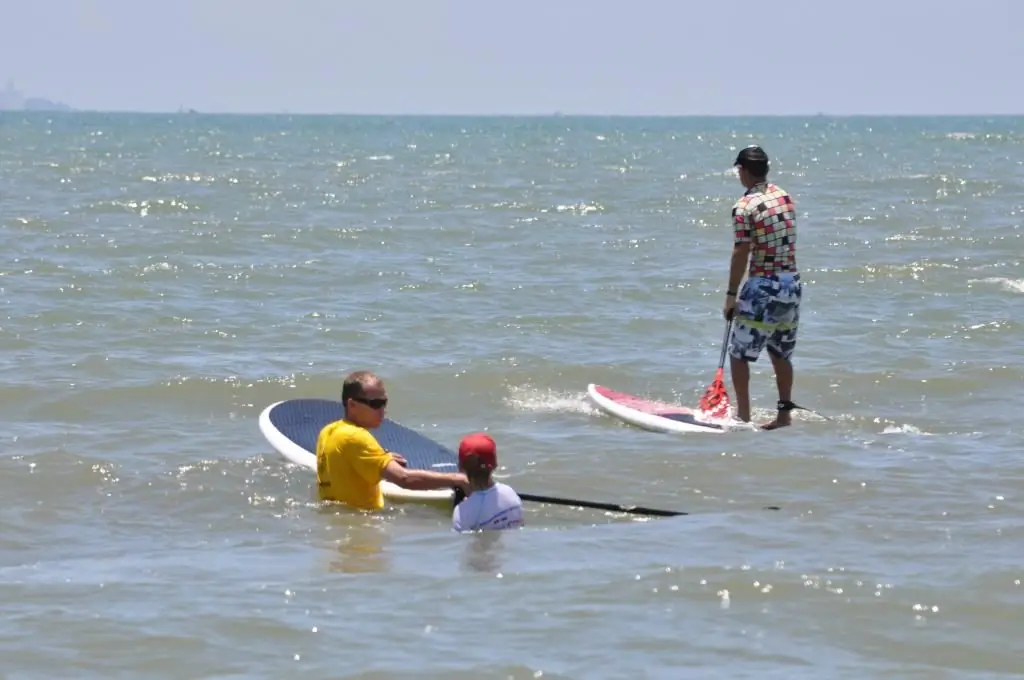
{"points": [[349, 465]]}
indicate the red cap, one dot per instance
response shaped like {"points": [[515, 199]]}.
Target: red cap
{"points": [[480, 445]]}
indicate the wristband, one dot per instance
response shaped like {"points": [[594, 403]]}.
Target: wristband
{"points": [[730, 293]]}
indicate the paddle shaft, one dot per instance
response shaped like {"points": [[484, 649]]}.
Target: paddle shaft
{"points": [[459, 496], [725, 344], [613, 507]]}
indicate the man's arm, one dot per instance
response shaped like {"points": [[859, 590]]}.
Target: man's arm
{"points": [[738, 264], [742, 233], [422, 480]]}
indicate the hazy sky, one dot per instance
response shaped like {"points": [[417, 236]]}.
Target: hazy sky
{"points": [[531, 56]]}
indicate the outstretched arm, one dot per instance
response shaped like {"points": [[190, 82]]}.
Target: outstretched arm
{"points": [[423, 480]]}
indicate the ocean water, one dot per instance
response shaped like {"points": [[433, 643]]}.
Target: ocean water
{"points": [[163, 278]]}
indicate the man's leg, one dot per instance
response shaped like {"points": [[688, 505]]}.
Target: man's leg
{"points": [[780, 349], [746, 343], [784, 381], [744, 347], [740, 370]]}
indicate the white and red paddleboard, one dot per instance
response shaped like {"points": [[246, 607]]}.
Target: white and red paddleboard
{"points": [[650, 415]]}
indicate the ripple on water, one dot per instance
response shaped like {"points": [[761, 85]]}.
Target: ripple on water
{"points": [[170, 276]]}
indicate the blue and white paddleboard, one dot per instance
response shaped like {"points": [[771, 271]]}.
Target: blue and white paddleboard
{"points": [[292, 428]]}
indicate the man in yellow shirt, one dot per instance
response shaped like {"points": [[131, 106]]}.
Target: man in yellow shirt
{"points": [[350, 463]]}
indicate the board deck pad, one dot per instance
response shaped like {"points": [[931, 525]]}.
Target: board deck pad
{"points": [[301, 420], [656, 408], [688, 418]]}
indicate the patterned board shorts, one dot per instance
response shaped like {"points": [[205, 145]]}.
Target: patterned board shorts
{"points": [[767, 313]]}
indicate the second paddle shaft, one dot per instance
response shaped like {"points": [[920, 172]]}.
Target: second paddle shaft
{"points": [[725, 343]]}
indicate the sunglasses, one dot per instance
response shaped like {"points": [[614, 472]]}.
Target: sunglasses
{"points": [[375, 404]]}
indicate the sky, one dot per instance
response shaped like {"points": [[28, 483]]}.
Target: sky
{"points": [[620, 57]]}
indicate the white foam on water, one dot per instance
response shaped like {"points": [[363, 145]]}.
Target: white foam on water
{"points": [[546, 400], [905, 429], [1013, 285], [728, 421]]}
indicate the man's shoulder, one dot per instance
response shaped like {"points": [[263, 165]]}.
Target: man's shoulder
{"points": [[343, 431], [741, 202], [774, 190], [758, 195], [746, 202]]}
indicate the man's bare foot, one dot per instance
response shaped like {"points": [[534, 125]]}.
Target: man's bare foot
{"points": [[781, 420], [783, 417]]}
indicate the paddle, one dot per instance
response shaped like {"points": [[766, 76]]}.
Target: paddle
{"points": [[716, 397], [611, 507]]}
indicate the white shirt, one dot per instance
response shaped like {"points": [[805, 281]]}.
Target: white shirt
{"points": [[498, 507]]}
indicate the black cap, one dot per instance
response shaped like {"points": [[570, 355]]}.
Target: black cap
{"points": [[754, 159]]}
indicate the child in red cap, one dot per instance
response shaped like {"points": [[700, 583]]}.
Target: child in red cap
{"points": [[491, 505]]}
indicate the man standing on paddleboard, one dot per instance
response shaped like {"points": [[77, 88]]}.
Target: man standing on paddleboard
{"points": [[350, 463], [766, 311], [491, 505]]}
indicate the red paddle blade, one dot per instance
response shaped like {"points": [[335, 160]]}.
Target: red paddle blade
{"points": [[715, 400]]}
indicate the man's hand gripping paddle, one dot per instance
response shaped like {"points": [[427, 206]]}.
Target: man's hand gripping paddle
{"points": [[715, 401]]}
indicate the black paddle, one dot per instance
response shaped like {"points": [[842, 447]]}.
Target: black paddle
{"points": [[611, 507]]}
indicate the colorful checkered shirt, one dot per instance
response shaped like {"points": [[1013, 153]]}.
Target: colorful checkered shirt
{"points": [[766, 218]]}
